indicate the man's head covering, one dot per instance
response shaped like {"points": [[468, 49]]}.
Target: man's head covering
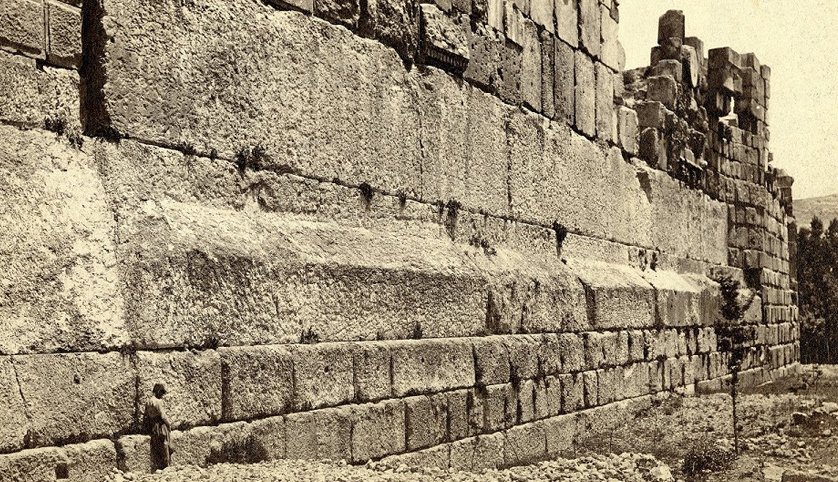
{"points": [[159, 389]]}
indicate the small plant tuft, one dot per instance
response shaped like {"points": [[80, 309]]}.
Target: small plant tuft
{"points": [[56, 124], [309, 336], [561, 235], [366, 193], [186, 148], [416, 333], [251, 158]]}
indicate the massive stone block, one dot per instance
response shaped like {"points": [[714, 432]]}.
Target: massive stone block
{"points": [[618, 297], [22, 26], [60, 285], [29, 95], [193, 385], [37, 465], [316, 97], [427, 366], [92, 460], [257, 381], [97, 394]]}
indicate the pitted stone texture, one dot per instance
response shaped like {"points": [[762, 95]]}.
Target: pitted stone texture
{"points": [[604, 103], [60, 287], [37, 465], [678, 300], [92, 460], [96, 401], [29, 95], [567, 21], [589, 27], [323, 375], [393, 23], [320, 434], [378, 430], [12, 409], [269, 435], [258, 381], [428, 366], [445, 37], [585, 94], [315, 96], [371, 364], [564, 80], [618, 297], [22, 26], [193, 385], [64, 32]]}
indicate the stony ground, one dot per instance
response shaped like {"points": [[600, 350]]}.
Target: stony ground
{"points": [[788, 427]]}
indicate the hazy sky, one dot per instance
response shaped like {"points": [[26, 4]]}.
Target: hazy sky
{"points": [[798, 39]]}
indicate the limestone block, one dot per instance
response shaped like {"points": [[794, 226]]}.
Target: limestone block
{"points": [[302, 5], [525, 396], [572, 350], [445, 37], [135, 453], [637, 346], [612, 53], [589, 27], [671, 25], [567, 21], [316, 97], [618, 296], [258, 381], [12, 409], [36, 465], [607, 385], [93, 460], [523, 356], [669, 68], [491, 360], [22, 26], [64, 33], [426, 421], [531, 66], [564, 78], [269, 435], [548, 68], [345, 12], [678, 300], [498, 405], [541, 13], [627, 129], [692, 65], [549, 355], [97, 400], [29, 95], [371, 363], [595, 349], [431, 457], [524, 444], [585, 94], [590, 384], [478, 453], [379, 429], [320, 434], [459, 403], [428, 366], [393, 23], [573, 392], [193, 384], [559, 433], [225, 443], [604, 102], [663, 89], [514, 22], [323, 374]]}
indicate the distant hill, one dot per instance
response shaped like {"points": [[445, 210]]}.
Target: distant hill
{"points": [[824, 207]]}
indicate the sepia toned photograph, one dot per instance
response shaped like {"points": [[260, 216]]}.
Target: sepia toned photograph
{"points": [[418, 240]]}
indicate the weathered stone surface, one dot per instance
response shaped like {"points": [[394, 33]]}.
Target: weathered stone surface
{"points": [[612, 53], [564, 82], [627, 129], [37, 465], [93, 460], [671, 25], [60, 287], [393, 22], [567, 21], [604, 102], [378, 430], [445, 37], [491, 360], [323, 374], [371, 364], [64, 32], [426, 421], [524, 443], [589, 27], [585, 94], [12, 409], [428, 366], [257, 381], [663, 89], [97, 400], [269, 435], [677, 299], [432, 457], [203, 446], [344, 12], [531, 66], [193, 385], [618, 297], [22, 26], [559, 434], [320, 434]]}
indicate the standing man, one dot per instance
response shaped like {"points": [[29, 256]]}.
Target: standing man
{"points": [[157, 425]]}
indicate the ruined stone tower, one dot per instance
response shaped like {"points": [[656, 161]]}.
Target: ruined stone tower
{"points": [[455, 233]]}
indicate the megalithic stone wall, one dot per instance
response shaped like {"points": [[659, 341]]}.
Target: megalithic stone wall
{"points": [[359, 230]]}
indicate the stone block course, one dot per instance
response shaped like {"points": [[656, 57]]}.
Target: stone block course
{"points": [[323, 374], [257, 381], [427, 366], [380, 429]]}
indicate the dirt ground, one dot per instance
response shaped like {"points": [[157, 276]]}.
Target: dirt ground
{"points": [[787, 426]]}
